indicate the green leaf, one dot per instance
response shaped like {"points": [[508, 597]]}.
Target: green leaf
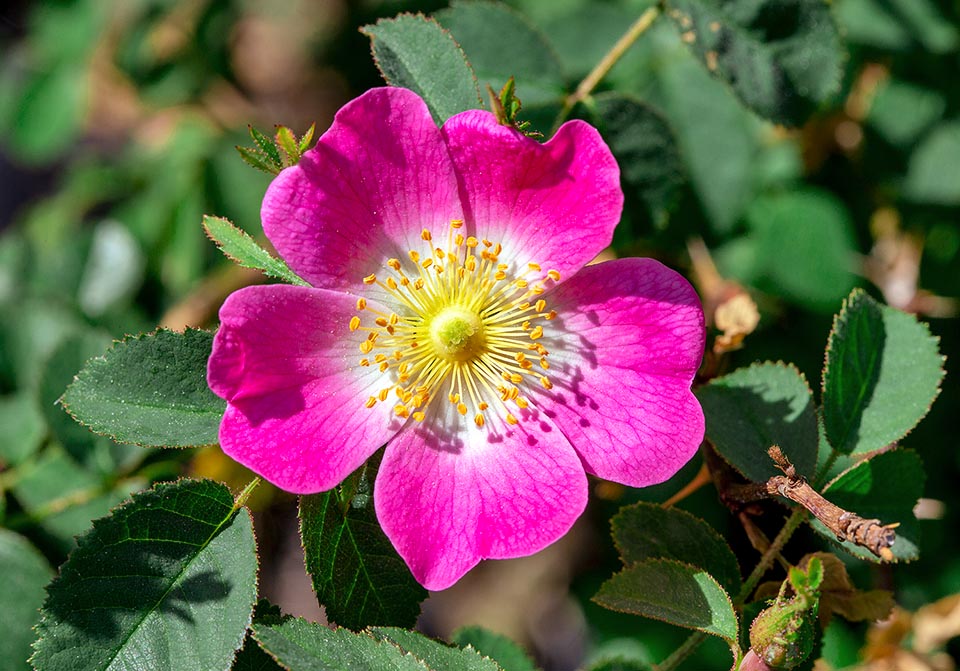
{"points": [[358, 576], [62, 497], [885, 487], [434, 654], [504, 651], [882, 373], [805, 247], [644, 145], [244, 250], [674, 592], [25, 572], [258, 160], [754, 408], [23, 428], [783, 58], [150, 390], [168, 577], [286, 140], [50, 112], [645, 531], [415, 52], [901, 111], [711, 126], [251, 656], [304, 646], [267, 146], [500, 43], [934, 165]]}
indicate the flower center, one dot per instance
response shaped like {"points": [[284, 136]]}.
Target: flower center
{"points": [[465, 328], [457, 333]]}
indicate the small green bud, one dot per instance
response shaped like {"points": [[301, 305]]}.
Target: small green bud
{"points": [[782, 635]]}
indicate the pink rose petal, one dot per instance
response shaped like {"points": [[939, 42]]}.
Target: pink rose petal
{"points": [[283, 360], [555, 203], [449, 494], [623, 353], [375, 179]]}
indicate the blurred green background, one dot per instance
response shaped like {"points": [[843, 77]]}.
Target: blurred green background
{"points": [[118, 120]]}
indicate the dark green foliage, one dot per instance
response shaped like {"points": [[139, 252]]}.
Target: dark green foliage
{"points": [[497, 647], [358, 577], [783, 58], [754, 408], [168, 577]]}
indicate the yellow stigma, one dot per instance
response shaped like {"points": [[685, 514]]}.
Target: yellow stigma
{"points": [[463, 326]]}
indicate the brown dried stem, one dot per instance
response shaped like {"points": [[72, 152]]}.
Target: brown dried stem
{"points": [[868, 533]]}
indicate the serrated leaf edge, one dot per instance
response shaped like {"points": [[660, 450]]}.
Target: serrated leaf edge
{"points": [[103, 357], [427, 19], [83, 540]]}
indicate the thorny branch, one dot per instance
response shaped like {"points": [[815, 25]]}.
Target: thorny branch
{"points": [[876, 537]]}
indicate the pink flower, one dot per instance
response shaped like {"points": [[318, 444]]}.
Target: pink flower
{"points": [[451, 317]]}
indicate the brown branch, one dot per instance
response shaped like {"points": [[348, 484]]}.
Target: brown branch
{"points": [[848, 526]]}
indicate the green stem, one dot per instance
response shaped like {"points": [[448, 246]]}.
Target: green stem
{"points": [[242, 497], [602, 68], [766, 560], [689, 646], [818, 480], [678, 656]]}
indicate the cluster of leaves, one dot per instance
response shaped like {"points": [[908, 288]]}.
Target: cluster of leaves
{"points": [[170, 576]]}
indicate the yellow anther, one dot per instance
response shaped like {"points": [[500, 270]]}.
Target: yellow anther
{"points": [[419, 416], [502, 266], [372, 336], [535, 267], [540, 306], [525, 325], [478, 420], [427, 263], [512, 420], [453, 398], [361, 303], [383, 394], [520, 357], [482, 406], [551, 315], [523, 306], [516, 378], [354, 323], [487, 243], [380, 321], [372, 401], [521, 402], [366, 346], [384, 366], [404, 367], [521, 283], [418, 283], [414, 256], [426, 235], [440, 253], [500, 275], [380, 358], [537, 332], [497, 249], [456, 223], [472, 242], [369, 279], [545, 382], [364, 362], [394, 263], [459, 239], [471, 263], [526, 365], [462, 408], [392, 283], [402, 410], [554, 275], [404, 281], [544, 364]]}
